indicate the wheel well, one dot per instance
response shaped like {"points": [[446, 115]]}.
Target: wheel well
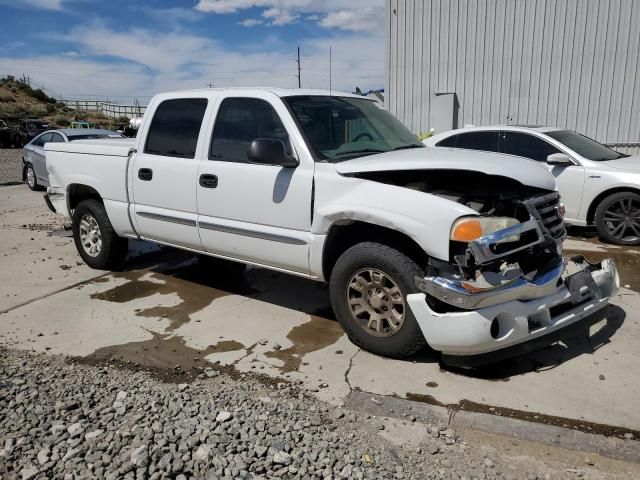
{"points": [[591, 213], [78, 193], [343, 237]]}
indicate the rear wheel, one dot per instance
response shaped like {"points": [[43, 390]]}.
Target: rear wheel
{"points": [[32, 181], [618, 218], [369, 286], [97, 243]]}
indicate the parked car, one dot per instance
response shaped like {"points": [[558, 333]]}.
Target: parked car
{"points": [[599, 186], [29, 129], [34, 168], [8, 135], [460, 250]]}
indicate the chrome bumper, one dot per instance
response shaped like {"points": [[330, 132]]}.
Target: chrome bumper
{"points": [[458, 294], [503, 324]]}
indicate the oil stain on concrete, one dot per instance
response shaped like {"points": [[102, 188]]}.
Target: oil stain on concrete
{"points": [[163, 351], [316, 334], [193, 287]]}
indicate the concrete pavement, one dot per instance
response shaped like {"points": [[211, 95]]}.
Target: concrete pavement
{"points": [[166, 310]]}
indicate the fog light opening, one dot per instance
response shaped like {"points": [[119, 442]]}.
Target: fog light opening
{"points": [[495, 328]]}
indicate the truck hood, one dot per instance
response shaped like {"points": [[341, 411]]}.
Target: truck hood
{"points": [[526, 172]]}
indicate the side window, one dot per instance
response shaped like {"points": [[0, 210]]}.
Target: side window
{"points": [[525, 145], [175, 128], [239, 122], [451, 141], [56, 137], [41, 140], [485, 141]]}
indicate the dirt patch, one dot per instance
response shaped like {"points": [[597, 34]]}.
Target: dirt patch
{"points": [[316, 334], [163, 351]]}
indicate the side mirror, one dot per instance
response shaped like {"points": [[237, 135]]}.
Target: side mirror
{"points": [[270, 151], [559, 159]]}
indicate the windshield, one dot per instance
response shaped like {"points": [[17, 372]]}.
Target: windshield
{"points": [[585, 146], [94, 136], [341, 128]]}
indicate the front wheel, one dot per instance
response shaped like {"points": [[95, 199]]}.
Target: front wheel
{"points": [[97, 243], [369, 286], [618, 218]]}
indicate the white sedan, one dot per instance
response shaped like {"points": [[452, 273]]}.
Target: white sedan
{"points": [[598, 185]]}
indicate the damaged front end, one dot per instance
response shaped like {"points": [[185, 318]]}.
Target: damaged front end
{"points": [[506, 287], [521, 261]]}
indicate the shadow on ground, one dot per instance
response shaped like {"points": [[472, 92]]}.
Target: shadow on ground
{"points": [[199, 281]]}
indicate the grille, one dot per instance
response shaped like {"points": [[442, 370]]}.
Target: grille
{"points": [[546, 209]]}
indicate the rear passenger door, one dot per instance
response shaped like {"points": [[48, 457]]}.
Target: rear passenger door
{"points": [[164, 173], [256, 213]]}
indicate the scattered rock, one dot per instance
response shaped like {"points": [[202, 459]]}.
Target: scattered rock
{"points": [[282, 458], [223, 417]]}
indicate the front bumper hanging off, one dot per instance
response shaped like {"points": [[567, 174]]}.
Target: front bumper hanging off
{"points": [[524, 315]]}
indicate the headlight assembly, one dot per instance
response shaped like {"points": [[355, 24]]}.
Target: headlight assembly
{"points": [[467, 229]]}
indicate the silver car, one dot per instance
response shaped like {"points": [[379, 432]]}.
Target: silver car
{"points": [[34, 166]]}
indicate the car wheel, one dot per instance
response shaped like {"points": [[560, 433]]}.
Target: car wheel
{"points": [[618, 218], [368, 287], [97, 243], [32, 181]]}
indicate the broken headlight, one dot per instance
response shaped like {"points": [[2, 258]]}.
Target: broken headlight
{"points": [[467, 229]]}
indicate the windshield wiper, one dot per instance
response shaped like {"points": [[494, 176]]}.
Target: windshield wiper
{"points": [[411, 145], [364, 150]]}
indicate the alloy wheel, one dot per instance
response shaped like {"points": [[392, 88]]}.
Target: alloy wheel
{"points": [[90, 235], [622, 219], [376, 302]]}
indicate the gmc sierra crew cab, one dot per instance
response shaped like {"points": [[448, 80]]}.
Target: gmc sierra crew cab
{"points": [[455, 249]]}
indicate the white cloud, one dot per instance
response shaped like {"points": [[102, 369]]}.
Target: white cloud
{"points": [[251, 22], [162, 51], [293, 6], [141, 63], [279, 16], [43, 4], [361, 20]]}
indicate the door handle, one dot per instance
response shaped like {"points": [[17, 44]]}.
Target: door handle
{"points": [[145, 174], [208, 180]]}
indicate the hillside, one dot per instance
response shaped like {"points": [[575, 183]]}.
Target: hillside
{"points": [[19, 100]]}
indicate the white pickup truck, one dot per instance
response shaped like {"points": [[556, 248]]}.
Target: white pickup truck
{"points": [[458, 250]]}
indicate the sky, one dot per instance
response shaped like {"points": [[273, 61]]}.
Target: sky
{"points": [[121, 49]]}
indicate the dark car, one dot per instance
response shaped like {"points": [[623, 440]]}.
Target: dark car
{"points": [[8, 135], [30, 128]]}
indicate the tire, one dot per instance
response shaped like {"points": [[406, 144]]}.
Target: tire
{"points": [[31, 180], [617, 218], [105, 250], [400, 271]]}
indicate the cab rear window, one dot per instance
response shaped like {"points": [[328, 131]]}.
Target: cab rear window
{"points": [[175, 128]]}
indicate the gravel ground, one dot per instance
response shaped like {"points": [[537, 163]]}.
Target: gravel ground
{"points": [[64, 419], [10, 161]]}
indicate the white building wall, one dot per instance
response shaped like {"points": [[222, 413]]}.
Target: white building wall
{"points": [[570, 63]]}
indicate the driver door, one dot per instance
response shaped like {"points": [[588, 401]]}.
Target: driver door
{"points": [[260, 214]]}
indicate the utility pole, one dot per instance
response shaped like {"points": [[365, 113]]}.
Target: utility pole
{"points": [[298, 75], [329, 69], [210, 85]]}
